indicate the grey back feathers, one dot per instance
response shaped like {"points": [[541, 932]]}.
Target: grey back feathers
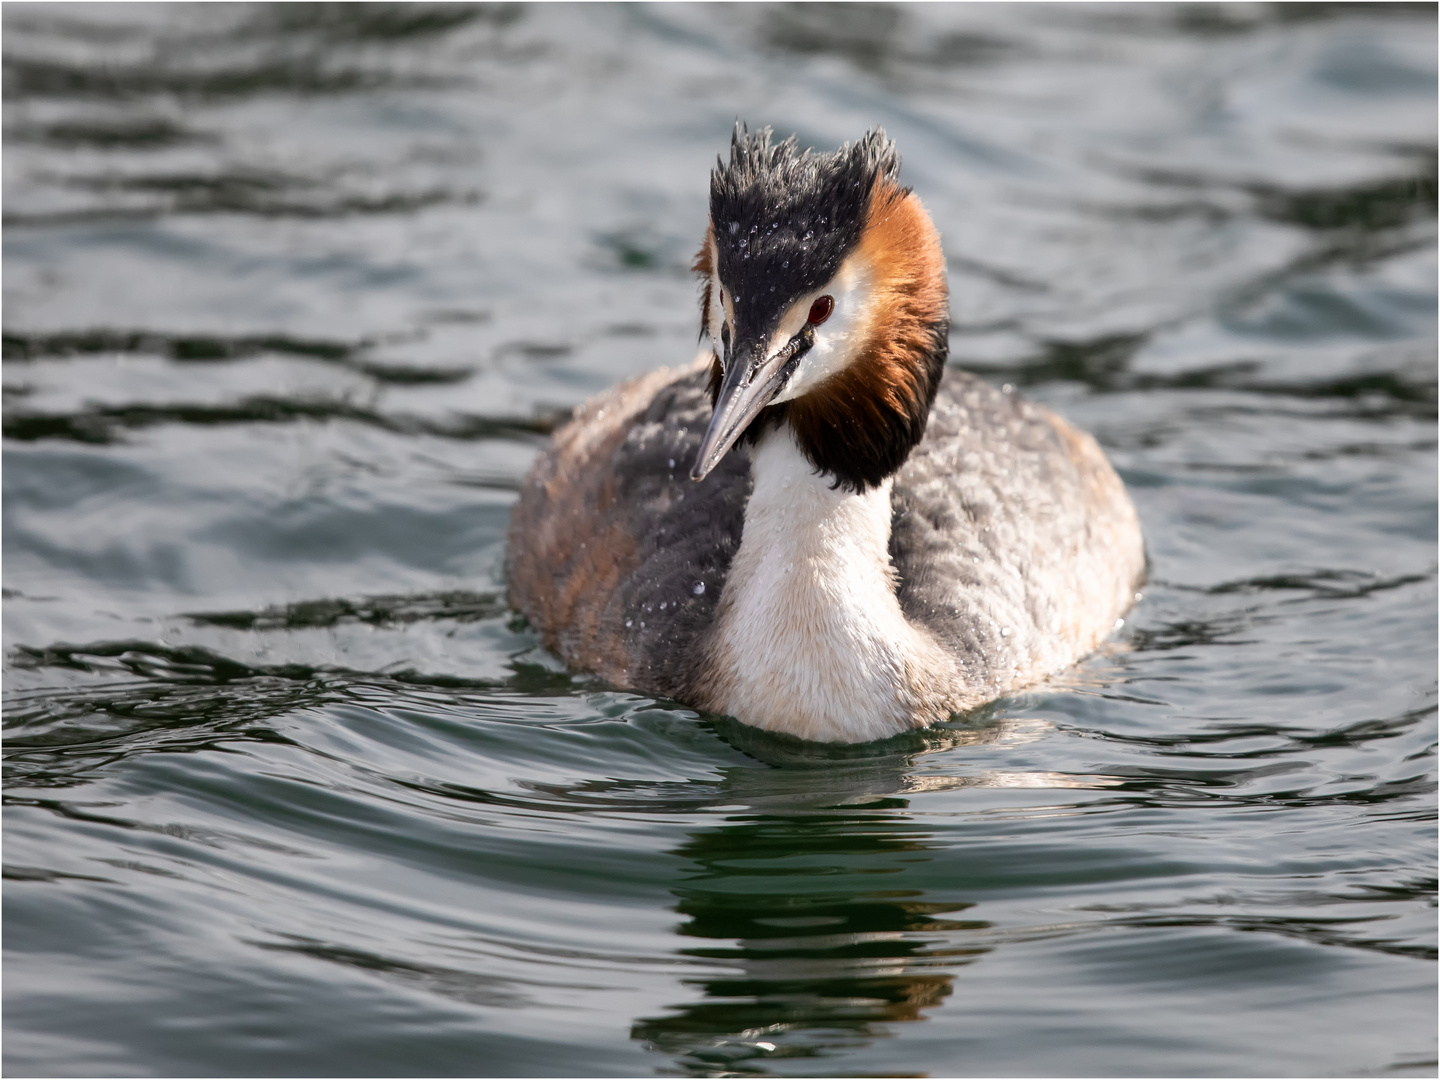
{"points": [[1014, 540], [686, 534]]}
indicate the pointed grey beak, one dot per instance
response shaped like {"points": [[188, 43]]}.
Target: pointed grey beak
{"points": [[752, 381]]}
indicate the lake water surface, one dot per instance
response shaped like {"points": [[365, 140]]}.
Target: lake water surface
{"points": [[292, 296]]}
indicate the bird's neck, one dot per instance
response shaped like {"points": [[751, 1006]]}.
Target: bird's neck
{"points": [[809, 637]]}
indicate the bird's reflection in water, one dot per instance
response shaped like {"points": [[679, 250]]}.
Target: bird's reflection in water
{"points": [[813, 919]]}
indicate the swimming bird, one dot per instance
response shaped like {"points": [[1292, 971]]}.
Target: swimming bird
{"points": [[817, 527]]}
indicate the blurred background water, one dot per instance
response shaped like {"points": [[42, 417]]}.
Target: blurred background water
{"points": [[292, 296]]}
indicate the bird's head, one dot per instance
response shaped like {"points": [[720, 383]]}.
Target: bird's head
{"points": [[826, 304]]}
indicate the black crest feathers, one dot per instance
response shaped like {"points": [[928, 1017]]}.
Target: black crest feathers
{"points": [[785, 217]]}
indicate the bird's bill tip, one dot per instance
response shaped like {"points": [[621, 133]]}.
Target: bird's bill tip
{"points": [[744, 393]]}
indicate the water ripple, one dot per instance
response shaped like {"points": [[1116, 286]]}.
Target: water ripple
{"points": [[294, 292]]}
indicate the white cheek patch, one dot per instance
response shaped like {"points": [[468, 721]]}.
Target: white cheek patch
{"points": [[839, 339], [720, 311], [715, 317]]}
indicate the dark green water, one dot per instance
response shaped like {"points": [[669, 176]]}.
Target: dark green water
{"points": [[292, 296]]}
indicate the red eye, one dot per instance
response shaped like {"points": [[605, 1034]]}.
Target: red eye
{"points": [[820, 310]]}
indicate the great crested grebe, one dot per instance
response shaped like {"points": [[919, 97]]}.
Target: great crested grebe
{"points": [[893, 544]]}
